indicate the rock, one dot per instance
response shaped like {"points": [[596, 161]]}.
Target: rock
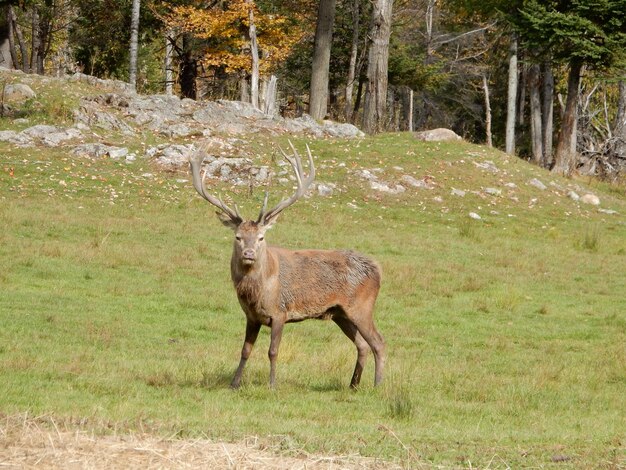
{"points": [[117, 152], [422, 183], [510, 185], [325, 189], [457, 192], [178, 130], [17, 138], [117, 85], [474, 216], [54, 139], [18, 93], [98, 150], [607, 211], [487, 165], [39, 131], [341, 130], [436, 135], [537, 184], [493, 191], [171, 156], [573, 196], [366, 175], [590, 199], [382, 187], [52, 136], [7, 135], [90, 116]]}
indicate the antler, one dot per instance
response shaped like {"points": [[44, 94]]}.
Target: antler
{"points": [[303, 185], [195, 160]]}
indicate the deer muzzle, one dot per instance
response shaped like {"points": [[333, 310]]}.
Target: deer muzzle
{"points": [[248, 256]]}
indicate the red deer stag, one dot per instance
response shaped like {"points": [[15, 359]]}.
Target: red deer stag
{"points": [[277, 286]]}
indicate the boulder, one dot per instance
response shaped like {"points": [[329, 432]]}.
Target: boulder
{"points": [[437, 135], [18, 93], [537, 184], [98, 150], [590, 199]]}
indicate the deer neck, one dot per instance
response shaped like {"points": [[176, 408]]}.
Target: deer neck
{"points": [[259, 272]]}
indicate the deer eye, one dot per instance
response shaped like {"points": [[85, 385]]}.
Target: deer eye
{"points": [[238, 238], [261, 238]]}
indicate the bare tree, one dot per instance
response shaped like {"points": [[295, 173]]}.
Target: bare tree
{"points": [[254, 53], [277, 286], [565, 154], [134, 43], [7, 49], [536, 136], [354, 49], [547, 113], [487, 112], [378, 61], [511, 98], [318, 97]]}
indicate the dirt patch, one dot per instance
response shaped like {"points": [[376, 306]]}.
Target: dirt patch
{"points": [[42, 443]]}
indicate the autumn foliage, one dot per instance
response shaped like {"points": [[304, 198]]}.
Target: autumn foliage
{"points": [[225, 32]]}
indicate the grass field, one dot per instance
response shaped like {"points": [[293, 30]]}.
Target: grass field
{"points": [[506, 336]]}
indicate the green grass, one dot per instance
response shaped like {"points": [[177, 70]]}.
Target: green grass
{"points": [[506, 336]]}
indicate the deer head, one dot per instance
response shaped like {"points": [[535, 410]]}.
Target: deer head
{"points": [[249, 242]]}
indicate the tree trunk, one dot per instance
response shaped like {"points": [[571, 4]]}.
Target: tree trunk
{"points": [[547, 114], [20, 39], [318, 96], [487, 112], [12, 35], [244, 89], [565, 156], [254, 52], [188, 70], [377, 68], [535, 114], [134, 43], [511, 98], [354, 49], [7, 50], [270, 96], [169, 54], [619, 127], [521, 88], [359, 94], [35, 34]]}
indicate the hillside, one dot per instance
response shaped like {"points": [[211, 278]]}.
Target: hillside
{"points": [[503, 301]]}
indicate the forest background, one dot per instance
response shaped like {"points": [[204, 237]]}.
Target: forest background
{"points": [[543, 80]]}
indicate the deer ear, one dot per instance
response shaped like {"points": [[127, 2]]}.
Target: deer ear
{"points": [[228, 221]]}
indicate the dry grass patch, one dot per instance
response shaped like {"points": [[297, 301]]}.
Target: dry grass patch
{"points": [[43, 442]]}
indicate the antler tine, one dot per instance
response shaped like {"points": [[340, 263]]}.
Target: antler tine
{"points": [[303, 183], [195, 161], [262, 213]]}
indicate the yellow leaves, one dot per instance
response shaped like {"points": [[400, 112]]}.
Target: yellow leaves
{"points": [[226, 32]]}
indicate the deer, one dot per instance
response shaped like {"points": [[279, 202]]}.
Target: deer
{"points": [[277, 285]]}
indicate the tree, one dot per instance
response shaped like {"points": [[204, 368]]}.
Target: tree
{"points": [[134, 39], [578, 33], [511, 98], [318, 96], [378, 61], [221, 36]]}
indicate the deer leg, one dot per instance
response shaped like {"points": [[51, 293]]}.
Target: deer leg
{"points": [[376, 342], [252, 331], [276, 335], [351, 331]]}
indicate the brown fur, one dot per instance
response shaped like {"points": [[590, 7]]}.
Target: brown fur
{"points": [[283, 286], [277, 286]]}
